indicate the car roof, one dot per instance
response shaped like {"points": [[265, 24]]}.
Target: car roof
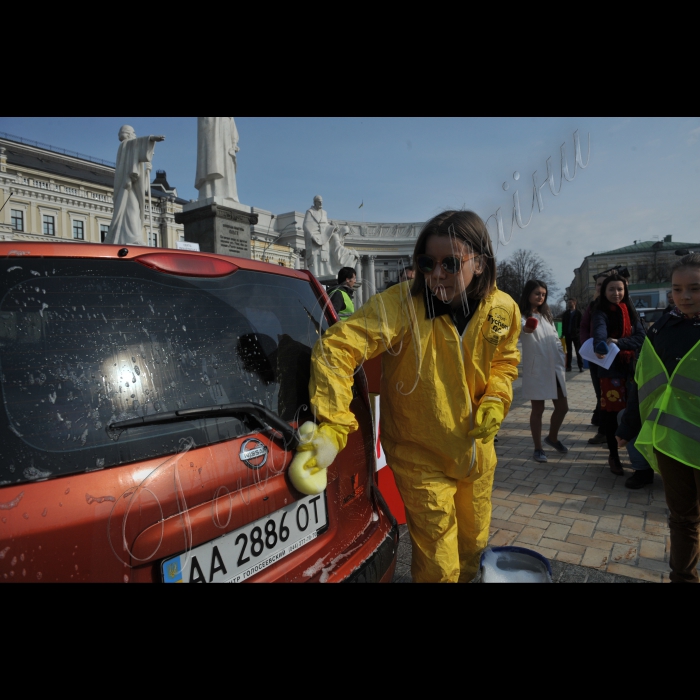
{"points": [[31, 249]]}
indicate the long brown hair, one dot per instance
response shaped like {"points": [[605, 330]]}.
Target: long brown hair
{"points": [[526, 307], [467, 227], [602, 303]]}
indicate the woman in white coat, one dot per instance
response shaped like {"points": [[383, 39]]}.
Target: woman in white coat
{"points": [[544, 365]]}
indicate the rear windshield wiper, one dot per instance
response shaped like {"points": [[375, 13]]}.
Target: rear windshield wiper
{"points": [[264, 417]]}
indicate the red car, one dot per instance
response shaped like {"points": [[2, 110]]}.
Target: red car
{"points": [[150, 401]]}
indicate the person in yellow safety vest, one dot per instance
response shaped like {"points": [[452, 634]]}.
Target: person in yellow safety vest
{"points": [[448, 342], [664, 413], [341, 296]]}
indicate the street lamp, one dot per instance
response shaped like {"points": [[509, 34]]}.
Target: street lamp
{"points": [[291, 246], [289, 225], [258, 238]]}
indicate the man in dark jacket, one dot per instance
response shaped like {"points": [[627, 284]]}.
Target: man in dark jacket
{"points": [[570, 326], [586, 332]]}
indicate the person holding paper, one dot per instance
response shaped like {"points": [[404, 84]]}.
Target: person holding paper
{"points": [[615, 322]]}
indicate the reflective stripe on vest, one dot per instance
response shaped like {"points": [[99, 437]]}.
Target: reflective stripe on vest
{"points": [[651, 385], [349, 309], [669, 408], [692, 386]]}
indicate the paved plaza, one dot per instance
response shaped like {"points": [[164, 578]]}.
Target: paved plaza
{"points": [[572, 509]]}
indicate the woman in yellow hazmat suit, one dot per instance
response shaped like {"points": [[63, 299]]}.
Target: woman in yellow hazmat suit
{"points": [[449, 356]]}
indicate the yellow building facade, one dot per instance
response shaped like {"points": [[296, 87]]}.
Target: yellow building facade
{"points": [[52, 195]]}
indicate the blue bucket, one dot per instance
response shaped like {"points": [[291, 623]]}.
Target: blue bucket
{"points": [[514, 565]]}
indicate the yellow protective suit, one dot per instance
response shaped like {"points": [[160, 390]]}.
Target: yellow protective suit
{"points": [[432, 384]]}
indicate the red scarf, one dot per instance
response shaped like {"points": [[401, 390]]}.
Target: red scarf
{"points": [[625, 356]]}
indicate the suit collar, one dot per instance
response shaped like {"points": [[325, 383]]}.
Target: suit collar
{"points": [[460, 316]]}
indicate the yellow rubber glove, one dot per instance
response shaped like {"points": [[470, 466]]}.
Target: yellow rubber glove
{"points": [[319, 446], [487, 420]]}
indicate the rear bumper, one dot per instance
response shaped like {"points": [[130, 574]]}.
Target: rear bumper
{"points": [[379, 566]]}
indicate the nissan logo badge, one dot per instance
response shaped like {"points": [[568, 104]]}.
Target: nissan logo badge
{"points": [[254, 457]]}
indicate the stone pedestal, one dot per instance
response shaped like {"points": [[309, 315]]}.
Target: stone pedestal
{"points": [[218, 229]]}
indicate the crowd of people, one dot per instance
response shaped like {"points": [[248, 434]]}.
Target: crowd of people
{"points": [[646, 398], [610, 319], [448, 342]]}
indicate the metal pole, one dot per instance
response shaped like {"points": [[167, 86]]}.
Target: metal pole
{"points": [[150, 201], [145, 221]]}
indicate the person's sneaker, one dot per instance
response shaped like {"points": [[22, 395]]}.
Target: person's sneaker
{"points": [[598, 439], [556, 445], [539, 456], [640, 478]]}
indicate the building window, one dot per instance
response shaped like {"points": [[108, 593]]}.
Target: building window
{"points": [[17, 219], [153, 239], [49, 225], [104, 230], [79, 230]]}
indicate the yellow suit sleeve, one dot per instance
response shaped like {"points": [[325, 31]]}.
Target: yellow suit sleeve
{"points": [[504, 365], [372, 329]]}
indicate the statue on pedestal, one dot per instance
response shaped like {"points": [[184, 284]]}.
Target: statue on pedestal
{"points": [[130, 185], [217, 145], [325, 249]]}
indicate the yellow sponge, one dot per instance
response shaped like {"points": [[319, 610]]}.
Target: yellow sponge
{"points": [[318, 448]]}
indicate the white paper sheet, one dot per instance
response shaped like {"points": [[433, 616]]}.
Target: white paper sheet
{"points": [[588, 353]]}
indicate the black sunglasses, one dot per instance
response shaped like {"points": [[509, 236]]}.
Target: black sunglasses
{"points": [[451, 264]]}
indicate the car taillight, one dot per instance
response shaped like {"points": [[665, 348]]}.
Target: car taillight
{"points": [[187, 265]]}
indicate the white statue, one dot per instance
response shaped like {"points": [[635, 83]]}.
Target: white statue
{"points": [[217, 145], [130, 185], [325, 249]]}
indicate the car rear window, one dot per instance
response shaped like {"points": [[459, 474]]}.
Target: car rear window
{"points": [[84, 343]]}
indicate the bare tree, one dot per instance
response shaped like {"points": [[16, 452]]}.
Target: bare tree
{"points": [[557, 307], [505, 279], [523, 265]]}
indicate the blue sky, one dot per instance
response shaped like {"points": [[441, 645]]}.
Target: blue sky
{"points": [[642, 179]]}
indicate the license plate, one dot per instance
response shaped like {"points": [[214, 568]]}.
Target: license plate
{"points": [[240, 554]]}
